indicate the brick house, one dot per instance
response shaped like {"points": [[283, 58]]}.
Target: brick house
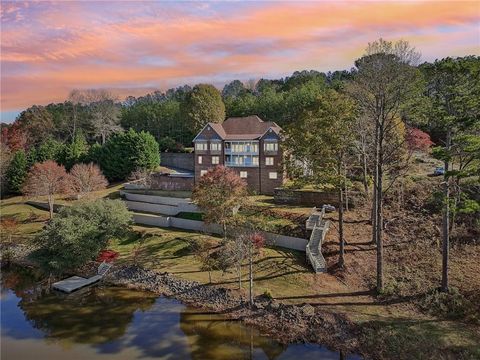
{"points": [[248, 145]]}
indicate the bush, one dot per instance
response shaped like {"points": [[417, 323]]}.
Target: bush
{"points": [[78, 233], [452, 305], [125, 152]]}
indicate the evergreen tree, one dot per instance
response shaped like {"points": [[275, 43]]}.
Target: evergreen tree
{"points": [[17, 172]]}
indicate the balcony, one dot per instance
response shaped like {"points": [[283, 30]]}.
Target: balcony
{"points": [[232, 164]]}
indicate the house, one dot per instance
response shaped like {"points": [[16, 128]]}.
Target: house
{"points": [[248, 145]]}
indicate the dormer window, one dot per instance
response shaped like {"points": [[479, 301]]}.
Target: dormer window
{"points": [[270, 146], [201, 146]]}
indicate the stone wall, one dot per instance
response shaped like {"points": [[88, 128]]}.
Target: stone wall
{"points": [[311, 197], [178, 160]]}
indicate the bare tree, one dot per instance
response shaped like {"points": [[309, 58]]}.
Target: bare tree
{"points": [[46, 179], [384, 82], [85, 178], [104, 111]]}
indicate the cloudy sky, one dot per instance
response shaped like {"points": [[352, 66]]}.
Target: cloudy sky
{"points": [[133, 47]]}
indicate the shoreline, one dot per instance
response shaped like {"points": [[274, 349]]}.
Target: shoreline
{"points": [[285, 323]]}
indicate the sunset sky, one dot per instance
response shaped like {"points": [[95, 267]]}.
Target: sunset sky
{"points": [[132, 47]]}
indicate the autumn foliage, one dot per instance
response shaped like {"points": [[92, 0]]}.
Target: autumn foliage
{"points": [[46, 179], [107, 256], [85, 178], [218, 193], [418, 140]]}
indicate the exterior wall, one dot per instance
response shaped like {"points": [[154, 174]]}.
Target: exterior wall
{"points": [[171, 183], [267, 185], [207, 135], [178, 160], [258, 177]]}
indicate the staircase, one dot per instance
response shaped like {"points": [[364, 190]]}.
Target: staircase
{"points": [[319, 228]]}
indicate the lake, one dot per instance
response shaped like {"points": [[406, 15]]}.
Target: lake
{"points": [[105, 322]]}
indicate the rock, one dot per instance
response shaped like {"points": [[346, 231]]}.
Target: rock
{"points": [[308, 310]]}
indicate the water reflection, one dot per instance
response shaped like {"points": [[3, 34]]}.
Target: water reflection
{"points": [[117, 323]]}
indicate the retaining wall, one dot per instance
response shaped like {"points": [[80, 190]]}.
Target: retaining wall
{"points": [[284, 241], [312, 197], [178, 160], [158, 204], [171, 183]]}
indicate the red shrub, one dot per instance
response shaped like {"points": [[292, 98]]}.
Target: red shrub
{"points": [[107, 256]]}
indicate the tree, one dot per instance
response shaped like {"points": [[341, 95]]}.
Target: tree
{"points": [[5, 158], [37, 123], [418, 140], [234, 89], [105, 113], [204, 250], [85, 178], [453, 89], [74, 152], [385, 80], [17, 172], [78, 233], [204, 104], [46, 179], [220, 193], [125, 152], [51, 149], [318, 144]]}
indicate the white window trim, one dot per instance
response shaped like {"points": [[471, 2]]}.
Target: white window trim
{"points": [[199, 159], [267, 161], [243, 173], [203, 172], [215, 162], [273, 175]]}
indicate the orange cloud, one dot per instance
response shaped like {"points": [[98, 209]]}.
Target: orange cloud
{"points": [[50, 48]]}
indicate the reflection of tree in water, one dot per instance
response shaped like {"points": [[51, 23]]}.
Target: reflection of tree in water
{"points": [[91, 316], [210, 336]]}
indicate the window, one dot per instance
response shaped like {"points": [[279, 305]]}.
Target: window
{"points": [[215, 160], [243, 174], [215, 146], [200, 159], [255, 160], [272, 175], [203, 172], [271, 146], [269, 161], [200, 146]]}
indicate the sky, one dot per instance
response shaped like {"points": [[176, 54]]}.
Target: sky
{"points": [[49, 48]]}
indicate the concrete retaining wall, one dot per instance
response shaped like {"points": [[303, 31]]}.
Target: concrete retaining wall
{"points": [[152, 208], [178, 160], [284, 241], [158, 204]]}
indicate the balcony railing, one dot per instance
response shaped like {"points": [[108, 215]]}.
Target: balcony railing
{"points": [[232, 164], [230, 152]]}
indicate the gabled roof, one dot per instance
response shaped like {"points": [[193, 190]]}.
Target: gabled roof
{"points": [[243, 128]]}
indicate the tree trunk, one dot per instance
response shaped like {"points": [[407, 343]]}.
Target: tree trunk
{"points": [[250, 274], [103, 138], [446, 220], [346, 187], [239, 270], [50, 205], [379, 220], [365, 174], [341, 259]]}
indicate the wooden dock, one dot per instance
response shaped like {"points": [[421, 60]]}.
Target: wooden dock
{"points": [[76, 282]]}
